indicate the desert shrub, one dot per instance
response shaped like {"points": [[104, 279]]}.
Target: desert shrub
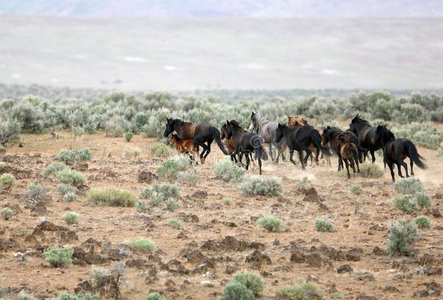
{"points": [[53, 168], [401, 235], [131, 152], [270, 223], [172, 205], [78, 297], [128, 136], [69, 176], [439, 154], [227, 171], [300, 291], [113, 129], [170, 168], [6, 213], [302, 184], [336, 295], [410, 113], [408, 186], [159, 150], [140, 120], [261, 186], [356, 189], [161, 191], [142, 245], [405, 203], [236, 290], [422, 199], [251, 281], [422, 222], [155, 296], [140, 205], [227, 201], [370, 170], [7, 179], [63, 189], [2, 165], [111, 197], [323, 226], [59, 257], [70, 218], [36, 194], [23, 296], [175, 223], [66, 156], [190, 177], [9, 131], [423, 134], [69, 197], [83, 154]]}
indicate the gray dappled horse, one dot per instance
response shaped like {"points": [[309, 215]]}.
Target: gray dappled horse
{"points": [[267, 131]]}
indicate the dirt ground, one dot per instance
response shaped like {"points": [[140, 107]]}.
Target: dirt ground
{"points": [[197, 261]]}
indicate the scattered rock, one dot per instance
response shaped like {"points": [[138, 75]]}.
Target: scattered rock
{"points": [[68, 236], [378, 251], [257, 259], [200, 195], [297, 256], [231, 269], [314, 260], [311, 195], [354, 254], [16, 209], [188, 218], [436, 213], [146, 177], [366, 276], [39, 210], [363, 297], [432, 289], [345, 269], [48, 226], [136, 263], [391, 289]]}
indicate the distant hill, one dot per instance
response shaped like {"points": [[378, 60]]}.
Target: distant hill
{"points": [[226, 8], [221, 53]]}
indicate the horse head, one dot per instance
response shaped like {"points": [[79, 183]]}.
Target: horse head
{"points": [[279, 132], [169, 126], [174, 139], [294, 121]]}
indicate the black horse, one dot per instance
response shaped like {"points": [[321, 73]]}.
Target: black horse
{"points": [[396, 150], [246, 142], [367, 136], [200, 133], [299, 139]]}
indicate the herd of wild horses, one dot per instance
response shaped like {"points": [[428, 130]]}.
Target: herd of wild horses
{"points": [[351, 146]]}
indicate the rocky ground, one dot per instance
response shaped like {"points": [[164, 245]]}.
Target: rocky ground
{"points": [[216, 240]]}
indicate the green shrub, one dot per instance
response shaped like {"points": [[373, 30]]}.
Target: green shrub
{"points": [[236, 290], [169, 170], [336, 295], [227, 201], [63, 189], [302, 184], [422, 222], [408, 186], [172, 205], [111, 197], [370, 170], [78, 297], [6, 213], [155, 296], [128, 136], [261, 186], [422, 199], [140, 205], [356, 189], [160, 150], [190, 177], [59, 257], [9, 131], [175, 223], [69, 176], [23, 296], [405, 203], [70, 218], [66, 156], [300, 291], [83, 154], [143, 245], [7, 179], [54, 168], [2, 165], [323, 226], [69, 197], [158, 193], [439, 154], [270, 223], [423, 134], [408, 113], [227, 171], [401, 235], [251, 281]]}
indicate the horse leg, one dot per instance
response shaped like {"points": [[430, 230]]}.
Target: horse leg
{"points": [[291, 159], [208, 149], [412, 166], [347, 167], [259, 165], [300, 156], [247, 161], [270, 151], [399, 168], [308, 153], [405, 165], [373, 156], [352, 164], [391, 168]]}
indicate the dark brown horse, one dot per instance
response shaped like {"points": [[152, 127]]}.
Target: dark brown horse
{"points": [[367, 136], [229, 143], [349, 153], [396, 150], [200, 133]]}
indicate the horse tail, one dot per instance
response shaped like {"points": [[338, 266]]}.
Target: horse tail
{"points": [[414, 156], [354, 151], [216, 135], [260, 153], [355, 141], [317, 143]]}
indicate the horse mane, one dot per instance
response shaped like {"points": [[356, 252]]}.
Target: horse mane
{"points": [[258, 119], [358, 119], [386, 134], [234, 122]]}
